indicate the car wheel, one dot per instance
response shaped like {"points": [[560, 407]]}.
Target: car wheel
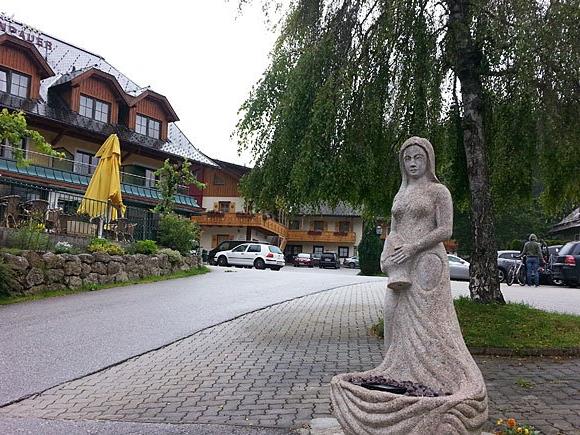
{"points": [[310, 265], [276, 268], [222, 261], [351, 265], [501, 275], [259, 264], [556, 281], [295, 265]]}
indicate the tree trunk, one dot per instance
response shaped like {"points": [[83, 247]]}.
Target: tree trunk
{"points": [[466, 59]]}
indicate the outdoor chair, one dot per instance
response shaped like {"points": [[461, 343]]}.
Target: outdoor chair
{"points": [[123, 230], [35, 210], [12, 210], [53, 220]]}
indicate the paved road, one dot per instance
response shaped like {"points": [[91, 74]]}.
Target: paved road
{"points": [[545, 297], [271, 369], [55, 340]]}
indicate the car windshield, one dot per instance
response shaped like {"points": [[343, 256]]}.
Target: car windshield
{"points": [[274, 249]]}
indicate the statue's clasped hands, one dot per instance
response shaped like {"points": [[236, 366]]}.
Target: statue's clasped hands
{"points": [[403, 253]]}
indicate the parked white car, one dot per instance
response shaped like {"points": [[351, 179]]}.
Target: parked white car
{"points": [[258, 255], [458, 267]]}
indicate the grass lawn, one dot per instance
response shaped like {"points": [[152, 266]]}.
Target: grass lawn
{"points": [[5, 300], [512, 326]]}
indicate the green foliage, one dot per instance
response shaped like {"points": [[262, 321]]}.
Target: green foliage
{"points": [[173, 255], [105, 246], [178, 233], [147, 247], [171, 176], [30, 236], [369, 250], [13, 128], [349, 81], [6, 278]]}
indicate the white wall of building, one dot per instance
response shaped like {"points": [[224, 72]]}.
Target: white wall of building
{"points": [[209, 235]]}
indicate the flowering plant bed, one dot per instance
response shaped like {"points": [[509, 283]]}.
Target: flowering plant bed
{"points": [[388, 385], [242, 214], [340, 233], [510, 426], [215, 213], [314, 233]]}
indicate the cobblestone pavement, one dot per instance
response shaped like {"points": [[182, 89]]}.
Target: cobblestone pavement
{"points": [[271, 368]]}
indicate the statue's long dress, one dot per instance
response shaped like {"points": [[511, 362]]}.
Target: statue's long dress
{"points": [[424, 345]]}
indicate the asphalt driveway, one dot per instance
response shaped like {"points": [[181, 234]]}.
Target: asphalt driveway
{"points": [[54, 340]]}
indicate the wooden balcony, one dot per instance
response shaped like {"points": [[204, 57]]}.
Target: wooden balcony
{"points": [[321, 236], [273, 226], [241, 220]]}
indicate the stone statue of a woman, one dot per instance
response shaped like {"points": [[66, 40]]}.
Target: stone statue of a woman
{"points": [[423, 341]]}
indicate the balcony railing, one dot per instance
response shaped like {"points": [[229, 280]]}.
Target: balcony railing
{"points": [[43, 166], [321, 236], [57, 212], [241, 220], [213, 218]]}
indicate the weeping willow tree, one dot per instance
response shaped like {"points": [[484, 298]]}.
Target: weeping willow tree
{"points": [[493, 85]]}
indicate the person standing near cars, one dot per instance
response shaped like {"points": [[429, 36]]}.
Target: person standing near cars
{"points": [[533, 252]]}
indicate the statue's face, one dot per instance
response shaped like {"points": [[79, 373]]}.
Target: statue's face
{"points": [[415, 161]]}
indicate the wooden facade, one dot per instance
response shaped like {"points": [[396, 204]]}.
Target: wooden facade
{"points": [[152, 109], [213, 178], [24, 58], [101, 90]]}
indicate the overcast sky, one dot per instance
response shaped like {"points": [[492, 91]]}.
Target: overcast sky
{"points": [[201, 54]]}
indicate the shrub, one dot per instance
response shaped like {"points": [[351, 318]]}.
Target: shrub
{"points": [[31, 237], [369, 251], [105, 246], [147, 247], [63, 248], [174, 256], [178, 233], [6, 278]]}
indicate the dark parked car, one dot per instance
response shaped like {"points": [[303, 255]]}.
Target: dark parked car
{"points": [[303, 260], [329, 259], [226, 245], [567, 265], [505, 260], [316, 259], [550, 254]]}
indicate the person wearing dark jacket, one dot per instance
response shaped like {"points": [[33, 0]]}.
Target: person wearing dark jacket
{"points": [[533, 252]]}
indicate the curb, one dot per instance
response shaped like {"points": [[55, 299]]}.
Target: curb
{"points": [[498, 351]]}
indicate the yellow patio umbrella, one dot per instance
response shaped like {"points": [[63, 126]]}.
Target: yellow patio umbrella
{"points": [[105, 184]]}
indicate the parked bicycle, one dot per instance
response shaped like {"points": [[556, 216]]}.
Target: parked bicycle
{"points": [[517, 273]]}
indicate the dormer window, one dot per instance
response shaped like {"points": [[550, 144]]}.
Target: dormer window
{"points": [[148, 126], [95, 109], [14, 83]]}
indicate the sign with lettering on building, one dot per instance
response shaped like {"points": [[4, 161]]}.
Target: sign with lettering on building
{"points": [[24, 32]]}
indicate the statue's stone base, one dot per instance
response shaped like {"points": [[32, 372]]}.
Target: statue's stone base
{"points": [[330, 426]]}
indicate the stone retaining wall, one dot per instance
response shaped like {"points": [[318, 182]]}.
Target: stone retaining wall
{"points": [[39, 271]]}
